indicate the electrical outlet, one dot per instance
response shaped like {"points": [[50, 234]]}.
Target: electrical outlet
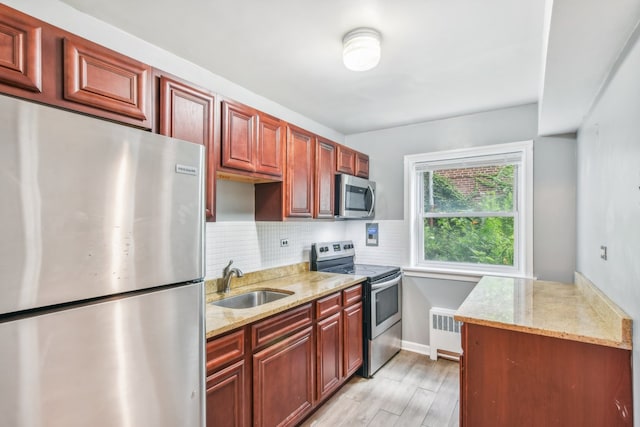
{"points": [[284, 243], [603, 252]]}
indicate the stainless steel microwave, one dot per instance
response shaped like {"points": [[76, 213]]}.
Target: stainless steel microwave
{"points": [[355, 197]]}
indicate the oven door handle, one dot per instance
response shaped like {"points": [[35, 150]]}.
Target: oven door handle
{"points": [[386, 284]]}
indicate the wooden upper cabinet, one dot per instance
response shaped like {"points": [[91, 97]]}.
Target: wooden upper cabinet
{"points": [[300, 167], [252, 142], [238, 136], [188, 113], [20, 51], [346, 160], [352, 162], [325, 178], [269, 145], [104, 79], [362, 165]]}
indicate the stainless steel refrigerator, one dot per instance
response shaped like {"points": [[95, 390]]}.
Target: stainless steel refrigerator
{"points": [[101, 273]]}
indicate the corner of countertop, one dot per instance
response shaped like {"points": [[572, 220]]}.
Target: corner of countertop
{"points": [[608, 310]]}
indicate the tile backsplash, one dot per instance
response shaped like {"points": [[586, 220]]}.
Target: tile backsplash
{"points": [[256, 246]]}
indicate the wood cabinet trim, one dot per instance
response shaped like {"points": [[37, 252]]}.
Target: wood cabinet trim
{"points": [[82, 56], [274, 328], [22, 64]]}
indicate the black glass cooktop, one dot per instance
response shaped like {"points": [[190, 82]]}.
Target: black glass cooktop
{"points": [[373, 272]]}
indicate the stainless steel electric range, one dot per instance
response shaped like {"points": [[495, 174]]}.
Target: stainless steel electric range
{"points": [[382, 300]]}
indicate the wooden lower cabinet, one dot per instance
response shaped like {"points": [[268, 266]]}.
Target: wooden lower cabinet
{"points": [[226, 401], [353, 338], [511, 378], [329, 349], [275, 371], [283, 381]]}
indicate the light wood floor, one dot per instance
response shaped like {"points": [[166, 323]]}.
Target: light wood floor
{"points": [[411, 390]]}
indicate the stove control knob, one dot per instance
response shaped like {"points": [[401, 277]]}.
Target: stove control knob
{"points": [[326, 248], [321, 249]]}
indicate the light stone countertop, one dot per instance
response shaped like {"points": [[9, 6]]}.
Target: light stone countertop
{"points": [[578, 312], [306, 286]]}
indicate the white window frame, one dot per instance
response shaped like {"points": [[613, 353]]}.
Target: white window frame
{"points": [[523, 226]]}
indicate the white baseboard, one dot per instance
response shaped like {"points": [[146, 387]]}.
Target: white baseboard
{"points": [[415, 347]]}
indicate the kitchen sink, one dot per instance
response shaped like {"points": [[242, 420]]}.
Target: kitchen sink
{"points": [[251, 299]]}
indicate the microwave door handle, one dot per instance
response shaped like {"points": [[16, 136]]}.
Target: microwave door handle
{"points": [[373, 200], [386, 284]]}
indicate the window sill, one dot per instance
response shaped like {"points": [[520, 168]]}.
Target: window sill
{"points": [[458, 275]]}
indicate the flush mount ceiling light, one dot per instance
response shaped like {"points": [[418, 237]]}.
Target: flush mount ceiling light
{"points": [[361, 49]]}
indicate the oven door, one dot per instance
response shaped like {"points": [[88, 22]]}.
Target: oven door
{"points": [[386, 305]]}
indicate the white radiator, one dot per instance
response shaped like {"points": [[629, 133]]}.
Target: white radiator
{"points": [[444, 333]]}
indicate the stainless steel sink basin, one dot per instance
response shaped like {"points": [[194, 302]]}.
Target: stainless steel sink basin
{"points": [[251, 299]]}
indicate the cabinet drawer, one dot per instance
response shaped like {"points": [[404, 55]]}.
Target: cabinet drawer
{"points": [[352, 295], [276, 327], [328, 305], [221, 351]]}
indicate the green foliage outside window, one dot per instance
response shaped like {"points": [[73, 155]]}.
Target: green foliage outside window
{"points": [[471, 239]]}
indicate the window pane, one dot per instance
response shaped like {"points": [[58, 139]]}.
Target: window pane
{"points": [[474, 189], [486, 240]]}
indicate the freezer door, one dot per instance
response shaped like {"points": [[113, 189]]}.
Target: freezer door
{"points": [[136, 361], [90, 208]]}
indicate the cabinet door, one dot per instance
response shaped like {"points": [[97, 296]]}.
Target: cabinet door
{"points": [[283, 381], [270, 146], [238, 136], [362, 165], [300, 167], [187, 113], [104, 79], [346, 160], [329, 350], [20, 51], [325, 179], [352, 338], [226, 404]]}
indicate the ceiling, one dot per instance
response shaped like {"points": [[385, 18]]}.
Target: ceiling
{"points": [[440, 58]]}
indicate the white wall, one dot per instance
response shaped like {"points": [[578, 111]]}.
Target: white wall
{"points": [[387, 148], [608, 208], [554, 198]]}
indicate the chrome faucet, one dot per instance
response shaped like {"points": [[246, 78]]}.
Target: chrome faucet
{"points": [[228, 273]]}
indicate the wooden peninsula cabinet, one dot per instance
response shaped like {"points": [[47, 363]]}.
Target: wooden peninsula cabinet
{"points": [[543, 354]]}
